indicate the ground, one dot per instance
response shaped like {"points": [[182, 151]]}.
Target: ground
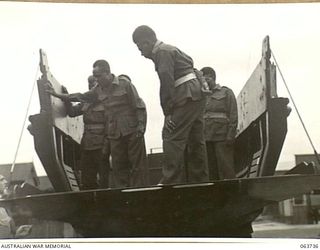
{"points": [[271, 229]]}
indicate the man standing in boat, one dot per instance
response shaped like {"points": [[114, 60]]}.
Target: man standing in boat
{"points": [[182, 102], [95, 150], [125, 124], [221, 120]]}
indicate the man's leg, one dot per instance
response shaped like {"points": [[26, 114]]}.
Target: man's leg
{"points": [[174, 143], [89, 169], [173, 161], [212, 161], [138, 161], [120, 162], [225, 160], [197, 153], [104, 170]]}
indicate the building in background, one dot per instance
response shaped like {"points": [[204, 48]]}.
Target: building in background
{"points": [[26, 173], [23, 172], [302, 209]]}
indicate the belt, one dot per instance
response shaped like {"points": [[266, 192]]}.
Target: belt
{"points": [[94, 126], [215, 115], [184, 79]]}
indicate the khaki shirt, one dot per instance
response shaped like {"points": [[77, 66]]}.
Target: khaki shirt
{"points": [[171, 64], [124, 109], [221, 115], [94, 120]]}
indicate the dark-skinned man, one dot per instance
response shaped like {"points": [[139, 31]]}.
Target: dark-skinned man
{"points": [[125, 125], [95, 150], [221, 120], [182, 103]]}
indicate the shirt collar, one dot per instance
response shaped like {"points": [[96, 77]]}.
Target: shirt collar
{"points": [[156, 47], [218, 87], [115, 80]]}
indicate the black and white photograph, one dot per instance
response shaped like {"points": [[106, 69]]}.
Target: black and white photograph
{"points": [[159, 122]]}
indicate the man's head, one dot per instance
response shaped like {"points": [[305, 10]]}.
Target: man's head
{"points": [[210, 75], [145, 38], [3, 184], [101, 72], [92, 81]]}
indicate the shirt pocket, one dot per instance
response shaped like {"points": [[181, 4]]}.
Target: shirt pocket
{"points": [[92, 141], [220, 126], [97, 131], [112, 128], [118, 99], [217, 101], [98, 113], [132, 121], [119, 92], [218, 95]]}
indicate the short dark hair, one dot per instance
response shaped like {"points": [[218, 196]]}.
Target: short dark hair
{"points": [[103, 65], [209, 71], [143, 32]]}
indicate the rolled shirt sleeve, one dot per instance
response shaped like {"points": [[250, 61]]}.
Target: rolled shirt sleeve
{"points": [[74, 110], [89, 96]]}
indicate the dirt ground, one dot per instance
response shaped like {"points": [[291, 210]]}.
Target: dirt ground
{"points": [[270, 229]]}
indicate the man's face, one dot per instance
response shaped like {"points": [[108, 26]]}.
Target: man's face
{"points": [[3, 183], [103, 78], [210, 81], [145, 47]]}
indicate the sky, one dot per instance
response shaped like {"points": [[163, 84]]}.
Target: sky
{"points": [[227, 37]]}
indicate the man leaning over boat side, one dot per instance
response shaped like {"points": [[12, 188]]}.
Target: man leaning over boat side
{"points": [[95, 150], [125, 126], [182, 102]]}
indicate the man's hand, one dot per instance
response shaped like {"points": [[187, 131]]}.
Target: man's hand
{"points": [[64, 90], [169, 124], [50, 90]]}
